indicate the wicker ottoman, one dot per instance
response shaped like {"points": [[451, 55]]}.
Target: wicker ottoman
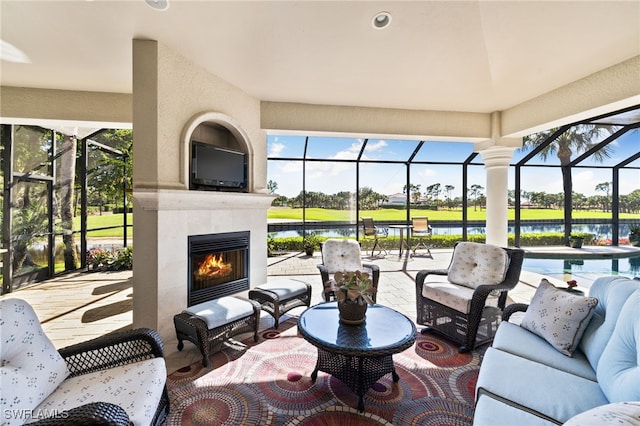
{"points": [[207, 325], [280, 296]]}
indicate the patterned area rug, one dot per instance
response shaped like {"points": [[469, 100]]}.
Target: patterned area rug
{"points": [[268, 383]]}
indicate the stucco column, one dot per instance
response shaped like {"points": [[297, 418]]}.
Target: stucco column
{"points": [[496, 162]]}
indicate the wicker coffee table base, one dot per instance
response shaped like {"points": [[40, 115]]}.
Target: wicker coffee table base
{"points": [[358, 373], [357, 355]]}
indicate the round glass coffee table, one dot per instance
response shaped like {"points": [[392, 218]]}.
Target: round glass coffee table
{"points": [[357, 355]]}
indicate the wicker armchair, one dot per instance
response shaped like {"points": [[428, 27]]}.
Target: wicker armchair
{"points": [[465, 301], [73, 386], [109, 351], [343, 255]]}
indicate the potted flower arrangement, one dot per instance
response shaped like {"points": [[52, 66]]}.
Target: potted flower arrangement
{"points": [[354, 291], [310, 243], [634, 234], [99, 259]]}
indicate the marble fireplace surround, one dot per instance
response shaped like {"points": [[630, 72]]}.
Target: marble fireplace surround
{"points": [[178, 214]]}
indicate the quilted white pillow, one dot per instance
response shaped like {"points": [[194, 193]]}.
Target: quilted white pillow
{"points": [[475, 264], [558, 316], [30, 366]]}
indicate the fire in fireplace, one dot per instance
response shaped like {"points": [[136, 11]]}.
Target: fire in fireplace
{"points": [[218, 265], [213, 267]]}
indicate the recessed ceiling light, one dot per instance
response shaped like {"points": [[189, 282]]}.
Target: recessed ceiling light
{"points": [[158, 4], [381, 20]]}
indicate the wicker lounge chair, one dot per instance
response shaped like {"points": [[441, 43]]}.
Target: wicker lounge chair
{"points": [[465, 301]]}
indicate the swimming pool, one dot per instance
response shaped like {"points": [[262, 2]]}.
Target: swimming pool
{"points": [[586, 270]]}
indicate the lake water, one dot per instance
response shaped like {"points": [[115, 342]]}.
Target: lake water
{"points": [[601, 231]]}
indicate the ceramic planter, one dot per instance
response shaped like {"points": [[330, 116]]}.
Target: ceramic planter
{"points": [[352, 312]]}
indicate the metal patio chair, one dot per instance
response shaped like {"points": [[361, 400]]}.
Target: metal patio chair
{"points": [[421, 229], [373, 232]]}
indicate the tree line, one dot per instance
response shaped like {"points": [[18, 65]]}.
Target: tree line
{"points": [[439, 196], [343, 200]]}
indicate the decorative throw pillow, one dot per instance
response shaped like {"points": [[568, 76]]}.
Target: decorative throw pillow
{"points": [[558, 316], [30, 366], [475, 264]]}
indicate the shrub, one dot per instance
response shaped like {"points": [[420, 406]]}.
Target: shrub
{"points": [[311, 242], [100, 259], [123, 259], [120, 209], [443, 241]]}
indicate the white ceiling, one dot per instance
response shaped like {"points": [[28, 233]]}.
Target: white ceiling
{"points": [[479, 56]]}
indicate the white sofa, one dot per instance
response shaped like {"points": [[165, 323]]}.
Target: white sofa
{"points": [[525, 380], [116, 379]]}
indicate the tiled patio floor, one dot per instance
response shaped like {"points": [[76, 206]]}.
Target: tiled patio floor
{"points": [[80, 306]]}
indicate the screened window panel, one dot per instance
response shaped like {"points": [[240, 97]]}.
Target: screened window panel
{"points": [[31, 150]]}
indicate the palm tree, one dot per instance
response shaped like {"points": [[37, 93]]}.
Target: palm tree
{"points": [[30, 222], [577, 139]]}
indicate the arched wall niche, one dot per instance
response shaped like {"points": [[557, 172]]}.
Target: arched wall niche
{"points": [[220, 130]]}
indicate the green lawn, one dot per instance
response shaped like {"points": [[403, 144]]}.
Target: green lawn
{"points": [[105, 220], [97, 221], [392, 214]]}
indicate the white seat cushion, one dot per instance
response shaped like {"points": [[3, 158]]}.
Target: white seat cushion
{"points": [[30, 366], [475, 264], [136, 387], [285, 289], [221, 311], [456, 297]]}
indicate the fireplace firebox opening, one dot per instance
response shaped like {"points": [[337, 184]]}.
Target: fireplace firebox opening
{"points": [[218, 265]]}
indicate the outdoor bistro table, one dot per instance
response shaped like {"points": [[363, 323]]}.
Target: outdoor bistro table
{"points": [[403, 243], [357, 355]]}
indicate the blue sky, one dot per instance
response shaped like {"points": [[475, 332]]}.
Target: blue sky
{"points": [[331, 177]]}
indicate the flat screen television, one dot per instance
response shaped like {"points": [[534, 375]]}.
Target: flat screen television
{"points": [[217, 168]]}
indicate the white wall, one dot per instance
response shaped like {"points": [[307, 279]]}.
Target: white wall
{"points": [[171, 98]]}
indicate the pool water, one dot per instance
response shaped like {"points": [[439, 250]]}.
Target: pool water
{"points": [[585, 271]]}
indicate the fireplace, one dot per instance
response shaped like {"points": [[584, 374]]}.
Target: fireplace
{"points": [[218, 265]]}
